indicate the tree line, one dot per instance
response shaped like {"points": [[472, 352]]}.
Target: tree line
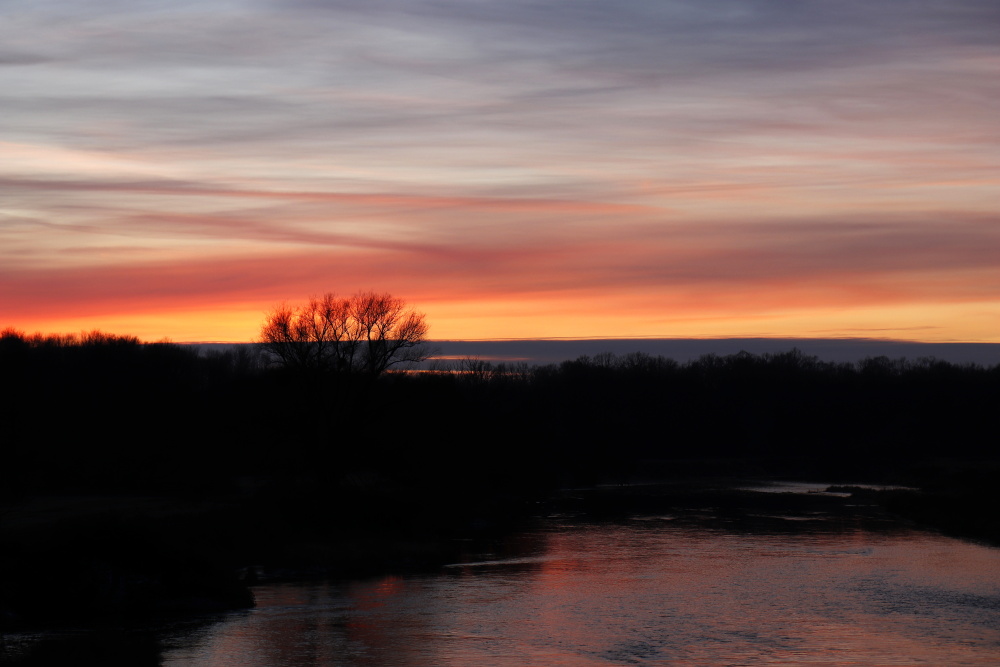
{"points": [[106, 411], [316, 402]]}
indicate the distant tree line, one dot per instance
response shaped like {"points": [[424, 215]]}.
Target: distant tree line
{"points": [[105, 411]]}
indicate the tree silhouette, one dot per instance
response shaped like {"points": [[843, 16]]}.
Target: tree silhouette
{"points": [[366, 333]]}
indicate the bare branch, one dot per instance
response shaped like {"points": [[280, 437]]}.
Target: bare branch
{"points": [[366, 333]]}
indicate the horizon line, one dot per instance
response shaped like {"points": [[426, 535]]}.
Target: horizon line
{"points": [[650, 338]]}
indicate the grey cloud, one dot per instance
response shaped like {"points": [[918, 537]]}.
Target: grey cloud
{"points": [[15, 58], [245, 73], [662, 40], [638, 40]]}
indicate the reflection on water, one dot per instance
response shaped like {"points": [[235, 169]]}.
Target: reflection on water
{"points": [[641, 592]]}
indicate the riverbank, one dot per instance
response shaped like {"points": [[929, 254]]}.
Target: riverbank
{"points": [[87, 556], [63, 558], [958, 498]]}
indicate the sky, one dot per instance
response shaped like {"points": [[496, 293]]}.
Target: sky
{"points": [[513, 169]]}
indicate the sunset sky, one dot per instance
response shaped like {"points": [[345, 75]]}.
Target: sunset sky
{"points": [[514, 168]]}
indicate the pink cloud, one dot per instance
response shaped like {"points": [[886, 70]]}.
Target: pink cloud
{"points": [[742, 268]]}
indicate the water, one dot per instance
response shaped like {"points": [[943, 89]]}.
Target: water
{"points": [[649, 590]]}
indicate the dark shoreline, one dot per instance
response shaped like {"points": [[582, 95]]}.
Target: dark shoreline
{"points": [[146, 556]]}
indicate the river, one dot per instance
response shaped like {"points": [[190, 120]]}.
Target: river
{"points": [[646, 589]]}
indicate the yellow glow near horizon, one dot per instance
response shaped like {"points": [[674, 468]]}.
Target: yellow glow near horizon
{"points": [[527, 319]]}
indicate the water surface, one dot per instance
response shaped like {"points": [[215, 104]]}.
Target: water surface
{"points": [[648, 590]]}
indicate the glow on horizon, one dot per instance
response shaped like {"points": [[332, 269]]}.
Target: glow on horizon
{"points": [[514, 171], [526, 320]]}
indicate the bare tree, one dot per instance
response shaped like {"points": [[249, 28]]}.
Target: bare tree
{"points": [[366, 333]]}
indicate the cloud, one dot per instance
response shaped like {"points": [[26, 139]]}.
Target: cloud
{"points": [[17, 59], [202, 73], [740, 154], [825, 262]]}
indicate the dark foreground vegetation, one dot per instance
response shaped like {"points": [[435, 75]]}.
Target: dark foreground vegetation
{"points": [[144, 478]]}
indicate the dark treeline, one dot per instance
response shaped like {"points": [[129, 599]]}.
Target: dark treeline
{"points": [[111, 413], [329, 459]]}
